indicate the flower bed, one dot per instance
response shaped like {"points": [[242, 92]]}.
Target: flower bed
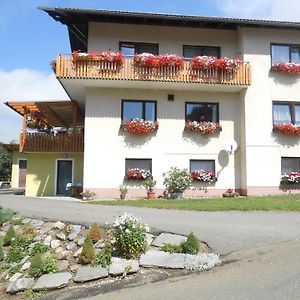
{"points": [[291, 178], [204, 176], [138, 174], [204, 128], [288, 129], [286, 67], [104, 56], [139, 126], [204, 63], [148, 60]]}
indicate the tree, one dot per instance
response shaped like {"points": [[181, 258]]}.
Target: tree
{"points": [[5, 164]]}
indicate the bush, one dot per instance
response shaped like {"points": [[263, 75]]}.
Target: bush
{"points": [[172, 248], [1, 218], [177, 181], [9, 236], [50, 265], [7, 214], [36, 267], [103, 259], [230, 193], [130, 236], [88, 252], [39, 248], [95, 233], [191, 246], [1, 252]]}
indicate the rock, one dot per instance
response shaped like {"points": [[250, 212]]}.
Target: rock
{"points": [[71, 246], [47, 240], [63, 265], [52, 281], [32, 245], [162, 259], [3, 275], [61, 236], [74, 268], [38, 238], [20, 285], [149, 238], [59, 225], [99, 244], [78, 252], [81, 241], [15, 276], [119, 266], [23, 261], [5, 228], [87, 273], [74, 233], [55, 244], [169, 238], [26, 221], [37, 223], [26, 266], [63, 255], [44, 230]]}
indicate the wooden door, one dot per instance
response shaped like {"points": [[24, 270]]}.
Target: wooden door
{"points": [[22, 173]]}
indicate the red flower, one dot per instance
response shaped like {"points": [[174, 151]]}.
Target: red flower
{"points": [[288, 129], [286, 67], [204, 128], [139, 126]]}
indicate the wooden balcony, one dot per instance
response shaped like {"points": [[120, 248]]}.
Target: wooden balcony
{"points": [[50, 142], [66, 67]]}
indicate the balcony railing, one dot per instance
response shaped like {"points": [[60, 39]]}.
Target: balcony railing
{"points": [[50, 142], [66, 67]]}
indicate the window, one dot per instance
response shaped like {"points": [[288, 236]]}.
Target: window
{"points": [[200, 112], [131, 48], [285, 53], [286, 112], [138, 163], [132, 109], [198, 165], [191, 51], [289, 165]]}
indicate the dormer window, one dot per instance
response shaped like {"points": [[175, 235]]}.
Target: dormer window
{"points": [[131, 48], [282, 53]]}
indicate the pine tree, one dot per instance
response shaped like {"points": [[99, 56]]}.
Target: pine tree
{"points": [[88, 252]]}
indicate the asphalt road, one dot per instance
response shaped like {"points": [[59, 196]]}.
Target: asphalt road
{"points": [[223, 231], [264, 273]]}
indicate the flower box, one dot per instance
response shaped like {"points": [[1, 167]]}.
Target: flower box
{"points": [[287, 129], [204, 128], [291, 68], [291, 178], [148, 60], [204, 176], [138, 174], [139, 126], [116, 58], [37, 120]]}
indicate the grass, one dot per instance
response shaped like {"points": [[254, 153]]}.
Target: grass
{"points": [[266, 203]]}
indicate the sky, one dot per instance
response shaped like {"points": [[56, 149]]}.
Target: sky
{"points": [[30, 39]]}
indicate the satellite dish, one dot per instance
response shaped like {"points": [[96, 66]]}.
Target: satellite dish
{"points": [[230, 146]]}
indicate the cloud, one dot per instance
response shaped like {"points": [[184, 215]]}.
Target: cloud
{"points": [[24, 85], [258, 9]]}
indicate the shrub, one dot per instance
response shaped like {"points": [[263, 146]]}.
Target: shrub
{"points": [[191, 246], [7, 214], [1, 252], [88, 252], [1, 218], [39, 248], [36, 267], [172, 248], [50, 265], [95, 233], [103, 258], [130, 236], [230, 193], [176, 180], [9, 236]]}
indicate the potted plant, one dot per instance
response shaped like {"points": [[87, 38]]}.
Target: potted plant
{"points": [[123, 191], [87, 195], [149, 185], [177, 181]]}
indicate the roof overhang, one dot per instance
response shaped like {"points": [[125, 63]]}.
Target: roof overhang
{"points": [[78, 20], [11, 147]]}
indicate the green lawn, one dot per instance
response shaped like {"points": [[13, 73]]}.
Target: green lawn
{"points": [[284, 203]]}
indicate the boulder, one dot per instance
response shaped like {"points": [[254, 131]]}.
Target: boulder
{"points": [[78, 252], [59, 225], [61, 236], [63, 265], [20, 285], [149, 238], [74, 232], [87, 273], [52, 281], [119, 266], [26, 266], [15, 276], [99, 244], [71, 246], [44, 230], [47, 240], [36, 223], [55, 244], [80, 241], [169, 238]]}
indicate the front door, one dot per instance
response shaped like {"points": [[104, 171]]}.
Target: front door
{"points": [[22, 173], [64, 176]]}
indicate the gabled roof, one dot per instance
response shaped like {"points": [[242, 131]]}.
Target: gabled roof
{"points": [[77, 21]]}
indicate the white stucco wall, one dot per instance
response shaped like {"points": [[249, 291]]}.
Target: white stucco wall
{"points": [[106, 146]]}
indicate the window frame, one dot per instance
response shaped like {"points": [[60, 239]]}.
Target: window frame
{"points": [[206, 160], [284, 157], [138, 159], [291, 104], [201, 47], [144, 107], [283, 44], [206, 103], [137, 44]]}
